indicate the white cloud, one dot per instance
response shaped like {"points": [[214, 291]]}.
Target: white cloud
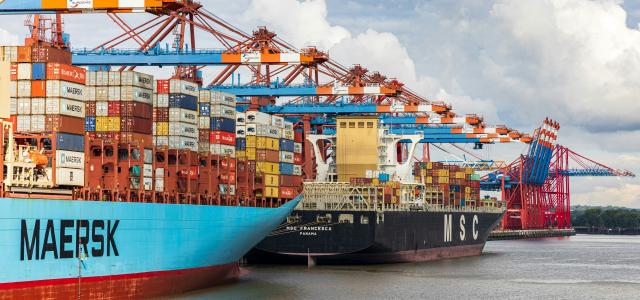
{"points": [[8, 39]]}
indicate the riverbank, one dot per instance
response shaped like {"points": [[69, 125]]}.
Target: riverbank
{"points": [[608, 231]]}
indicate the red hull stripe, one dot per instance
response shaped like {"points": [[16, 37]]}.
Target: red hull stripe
{"points": [[85, 280]]}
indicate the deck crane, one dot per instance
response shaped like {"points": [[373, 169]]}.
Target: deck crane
{"points": [[536, 185]]}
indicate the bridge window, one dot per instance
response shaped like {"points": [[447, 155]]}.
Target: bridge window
{"points": [[323, 218], [360, 124], [345, 218], [364, 220], [343, 124], [352, 124], [369, 124]]}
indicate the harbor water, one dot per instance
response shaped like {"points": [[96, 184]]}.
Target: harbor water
{"points": [[578, 267]]}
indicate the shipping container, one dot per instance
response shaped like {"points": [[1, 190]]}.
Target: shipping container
{"points": [[38, 88], [114, 78], [271, 180], [286, 157], [271, 192], [39, 71], [90, 124], [61, 106], [24, 106], [183, 129], [183, 87], [277, 121], [204, 122], [69, 177], [162, 100], [113, 93], [69, 142], [61, 123], [287, 192], [183, 115], [135, 124], [241, 143], [24, 54], [267, 155], [136, 109], [161, 128], [204, 96], [24, 71], [224, 150], [23, 123], [267, 167], [138, 79], [204, 109], [286, 145], [223, 112], [256, 117], [69, 159], [223, 124], [38, 106], [13, 106], [63, 89], [297, 147], [101, 93], [134, 93], [297, 170], [64, 72], [183, 101], [48, 54], [161, 87], [24, 88], [220, 98], [286, 168], [161, 114], [38, 123], [241, 131], [181, 142], [241, 118], [222, 137]]}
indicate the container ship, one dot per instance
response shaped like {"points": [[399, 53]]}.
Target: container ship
{"points": [[369, 205], [118, 185]]}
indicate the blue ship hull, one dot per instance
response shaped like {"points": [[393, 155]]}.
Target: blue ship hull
{"points": [[59, 248]]}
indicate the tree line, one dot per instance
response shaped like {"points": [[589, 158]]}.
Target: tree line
{"points": [[608, 217]]}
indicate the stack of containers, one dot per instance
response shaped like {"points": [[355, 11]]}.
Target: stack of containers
{"points": [[263, 146], [47, 97], [460, 186], [222, 138], [289, 181], [175, 122], [119, 106]]}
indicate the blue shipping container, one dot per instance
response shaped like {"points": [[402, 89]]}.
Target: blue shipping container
{"points": [[183, 101], [286, 145], [38, 71], [69, 142], [383, 177], [223, 124], [241, 143], [286, 169], [90, 124], [204, 109]]}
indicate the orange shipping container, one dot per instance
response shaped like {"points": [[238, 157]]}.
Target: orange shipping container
{"points": [[287, 192], [38, 88], [60, 123], [56, 71], [24, 54], [13, 72]]}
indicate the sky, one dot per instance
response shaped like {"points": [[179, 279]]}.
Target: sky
{"points": [[513, 62]]}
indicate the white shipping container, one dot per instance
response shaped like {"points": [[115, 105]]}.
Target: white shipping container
{"points": [[204, 96], [269, 131], [251, 129], [287, 134], [102, 109], [288, 125], [183, 129], [297, 170], [90, 93], [69, 177], [223, 111], [24, 106], [147, 170], [69, 159], [114, 93], [181, 142], [183, 87], [159, 184], [204, 122], [24, 71], [227, 99], [91, 78], [138, 94], [63, 89], [183, 115], [23, 124], [277, 121], [13, 89], [114, 78], [138, 79], [160, 141], [38, 106], [24, 88], [286, 157], [297, 147], [218, 149], [102, 78], [13, 106], [159, 173], [102, 93], [241, 131], [38, 123], [72, 108], [162, 100], [147, 183], [203, 147], [241, 118], [256, 117], [10, 54]]}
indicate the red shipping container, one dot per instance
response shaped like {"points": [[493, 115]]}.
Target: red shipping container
{"points": [[162, 86], [297, 158], [24, 54], [13, 72], [64, 72], [287, 192], [136, 109], [228, 164], [38, 88], [50, 55], [60, 123], [113, 109], [267, 155], [139, 125], [229, 178], [191, 172], [221, 137], [204, 134], [161, 114], [90, 108]]}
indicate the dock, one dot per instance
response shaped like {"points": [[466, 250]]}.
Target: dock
{"points": [[497, 235]]}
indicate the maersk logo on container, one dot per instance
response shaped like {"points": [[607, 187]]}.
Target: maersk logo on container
{"points": [[73, 90], [79, 3], [74, 108], [144, 95], [189, 88]]}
